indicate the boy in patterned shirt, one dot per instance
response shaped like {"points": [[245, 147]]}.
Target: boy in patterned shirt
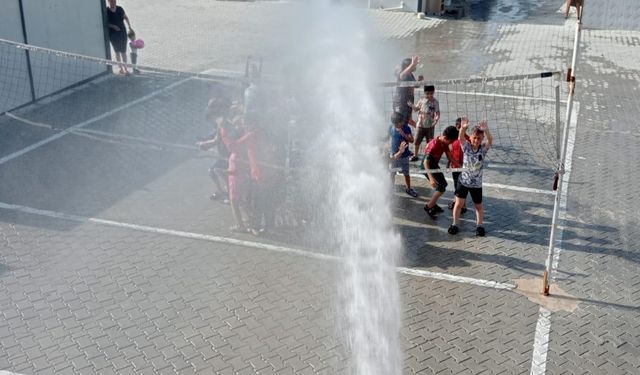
{"points": [[470, 182]]}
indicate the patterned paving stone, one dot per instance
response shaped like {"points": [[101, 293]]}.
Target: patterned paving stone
{"points": [[86, 298]]}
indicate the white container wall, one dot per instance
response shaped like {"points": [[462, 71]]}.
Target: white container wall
{"points": [[69, 25]]}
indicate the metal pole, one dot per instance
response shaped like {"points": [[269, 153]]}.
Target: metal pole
{"points": [[558, 131], [26, 51], [554, 222], [105, 27]]}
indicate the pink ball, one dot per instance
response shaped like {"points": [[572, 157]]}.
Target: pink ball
{"points": [[138, 43]]}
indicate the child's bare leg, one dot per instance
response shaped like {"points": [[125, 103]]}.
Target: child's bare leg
{"points": [[216, 175], [457, 209], [479, 214], [434, 199], [237, 214], [407, 181], [567, 5], [245, 215], [416, 148]]}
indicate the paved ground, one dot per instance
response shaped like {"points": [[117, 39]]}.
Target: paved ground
{"points": [[175, 292]]}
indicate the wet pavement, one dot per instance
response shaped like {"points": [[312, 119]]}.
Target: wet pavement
{"points": [[128, 268]]}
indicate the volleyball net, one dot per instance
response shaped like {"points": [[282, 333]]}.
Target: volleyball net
{"points": [[51, 91]]}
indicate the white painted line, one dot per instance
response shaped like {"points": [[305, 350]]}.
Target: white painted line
{"points": [[543, 327], [79, 133], [87, 122], [518, 188], [83, 132], [251, 244], [28, 122], [5, 372], [138, 139], [541, 342], [499, 186], [457, 279]]}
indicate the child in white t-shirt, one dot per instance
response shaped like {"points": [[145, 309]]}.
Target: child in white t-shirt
{"points": [[470, 181]]}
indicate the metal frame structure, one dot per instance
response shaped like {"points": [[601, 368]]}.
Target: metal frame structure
{"points": [[26, 41], [558, 184]]}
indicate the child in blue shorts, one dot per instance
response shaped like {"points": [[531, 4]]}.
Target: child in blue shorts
{"points": [[401, 132]]}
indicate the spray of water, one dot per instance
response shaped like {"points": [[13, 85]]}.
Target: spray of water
{"points": [[337, 71]]}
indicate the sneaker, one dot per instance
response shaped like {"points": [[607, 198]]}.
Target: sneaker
{"points": [[438, 209], [431, 212], [411, 192], [414, 158], [480, 231], [218, 196], [453, 229]]}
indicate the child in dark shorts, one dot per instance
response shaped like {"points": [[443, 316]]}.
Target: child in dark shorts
{"points": [[456, 162], [470, 182], [435, 148], [217, 114]]}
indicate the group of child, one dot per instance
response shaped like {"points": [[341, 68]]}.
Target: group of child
{"points": [[247, 168], [466, 154]]}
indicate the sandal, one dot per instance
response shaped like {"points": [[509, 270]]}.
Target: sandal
{"points": [[237, 229]]}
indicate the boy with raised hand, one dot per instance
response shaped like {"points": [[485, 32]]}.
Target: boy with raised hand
{"points": [[400, 133], [404, 96], [475, 152], [432, 154]]}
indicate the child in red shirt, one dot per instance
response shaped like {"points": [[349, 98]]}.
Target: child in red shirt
{"points": [[435, 148]]}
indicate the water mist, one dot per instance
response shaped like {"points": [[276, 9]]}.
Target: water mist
{"points": [[337, 73]]}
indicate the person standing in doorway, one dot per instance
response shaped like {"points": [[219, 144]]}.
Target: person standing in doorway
{"points": [[116, 18]]}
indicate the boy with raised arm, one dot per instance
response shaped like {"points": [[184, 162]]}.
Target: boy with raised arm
{"points": [[470, 182], [400, 133]]}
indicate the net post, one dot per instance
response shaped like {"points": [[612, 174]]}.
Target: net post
{"points": [[559, 173], [27, 54], [105, 34], [558, 126]]}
